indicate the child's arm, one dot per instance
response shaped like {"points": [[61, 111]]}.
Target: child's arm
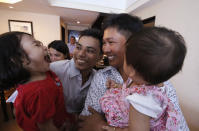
{"points": [[138, 121]]}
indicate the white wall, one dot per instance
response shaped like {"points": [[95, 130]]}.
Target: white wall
{"points": [[182, 16], [78, 28], [46, 28]]}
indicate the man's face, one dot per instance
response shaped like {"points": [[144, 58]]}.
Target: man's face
{"points": [[72, 40], [114, 47], [86, 53]]}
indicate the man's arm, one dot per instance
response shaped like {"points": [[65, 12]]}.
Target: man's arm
{"points": [[59, 67], [93, 122], [92, 106]]}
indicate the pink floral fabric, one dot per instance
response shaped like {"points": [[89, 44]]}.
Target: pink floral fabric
{"points": [[116, 107]]}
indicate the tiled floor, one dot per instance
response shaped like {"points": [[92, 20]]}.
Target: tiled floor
{"points": [[10, 125]]}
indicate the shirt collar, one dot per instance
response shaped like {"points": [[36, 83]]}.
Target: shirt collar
{"points": [[112, 71], [109, 68], [73, 70]]}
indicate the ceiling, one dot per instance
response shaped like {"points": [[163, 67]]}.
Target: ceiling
{"points": [[71, 11]]}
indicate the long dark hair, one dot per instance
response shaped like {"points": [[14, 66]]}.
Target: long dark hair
{"points": [[61, 47], [12, 54]]}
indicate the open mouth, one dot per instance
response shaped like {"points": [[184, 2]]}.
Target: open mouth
{"points": [[47, 58]]}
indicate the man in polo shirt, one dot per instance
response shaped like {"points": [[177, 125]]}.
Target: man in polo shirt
{"points": [[76, 74]]}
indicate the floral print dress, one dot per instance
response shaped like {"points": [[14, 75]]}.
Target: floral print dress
{"points": [[149, 100]]}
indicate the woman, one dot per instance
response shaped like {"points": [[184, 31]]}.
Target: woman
{"points": [[58, 50]]}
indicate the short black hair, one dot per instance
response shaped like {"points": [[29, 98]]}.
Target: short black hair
{"points": [[12, 54], [72, 37], [95, 33], [126, 24], [60, 46], [156, 53]]}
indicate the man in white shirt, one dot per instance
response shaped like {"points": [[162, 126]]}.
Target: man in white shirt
{"points": [[117, 29], [76, 74], [71, 45]]}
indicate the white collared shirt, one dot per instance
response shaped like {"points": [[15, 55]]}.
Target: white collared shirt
{"points": [[74, 92], [71, 47]]}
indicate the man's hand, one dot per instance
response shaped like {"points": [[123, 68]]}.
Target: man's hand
{"points": [[93, 122], [112, 84]]}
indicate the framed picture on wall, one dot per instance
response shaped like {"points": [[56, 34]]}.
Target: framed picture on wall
{"points": [[23, 26], [149, 22]]}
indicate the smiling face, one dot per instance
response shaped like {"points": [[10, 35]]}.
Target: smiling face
{"points": [[55, 55], [114, 47], [86, 53], [37, 54]]}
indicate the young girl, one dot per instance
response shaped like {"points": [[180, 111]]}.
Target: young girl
{"points": [[152, 56], [39, 104]]}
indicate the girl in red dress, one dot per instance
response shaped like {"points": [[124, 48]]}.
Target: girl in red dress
{"points": [[39, 104]]}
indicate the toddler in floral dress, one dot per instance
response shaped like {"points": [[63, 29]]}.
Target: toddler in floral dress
{"points": [[152, 56]]}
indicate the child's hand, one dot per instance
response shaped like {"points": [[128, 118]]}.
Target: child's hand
{"points": [[108, 128], [112, 84]]}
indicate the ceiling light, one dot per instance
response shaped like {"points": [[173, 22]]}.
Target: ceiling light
{"points": [[10, 1], [78, 22], [11, 7]]}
